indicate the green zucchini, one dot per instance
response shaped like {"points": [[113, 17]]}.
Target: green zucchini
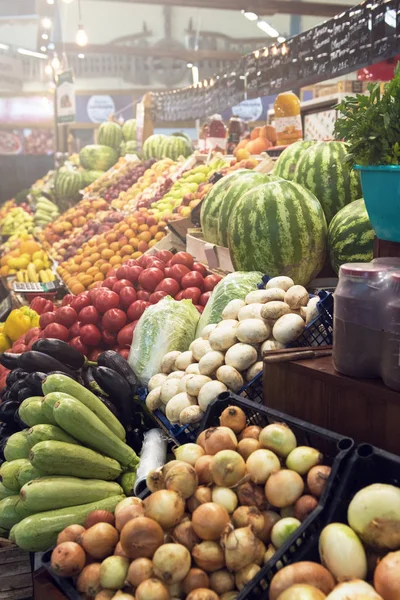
{"points": [[63, 383], [27, 473], [9, 473], [31, 412], [60, 458], [39, 532], [5, 492], [48, 403], [41, 433], [79, 421], [8, 514], [51, 493], [127, 481], [17, 446], [11, 535]]}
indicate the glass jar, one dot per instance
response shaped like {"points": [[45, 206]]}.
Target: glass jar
{"points": [[234, 134], [357, 329], [288, 124], [391, 335], [216, 138]]}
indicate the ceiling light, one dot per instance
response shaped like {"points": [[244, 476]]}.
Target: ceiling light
{"points": [[250, 15], [48, 70], [50, 1], [43, 48], [4, 47], [55, 63], [51, 46], [267, 29], [46, 23], [81, 36], [80, 55], [45, 36], [281, 39], [27, 52], [189, 65]]}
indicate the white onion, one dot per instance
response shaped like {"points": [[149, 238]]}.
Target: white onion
{"points": [[225, 497], [177, 374], [302, 459], [177, 404], [171, 562], [156, 381], [227, 468], [342, 553], [354, 589], [283, 529], [245, 575], [189, 453], [284, 488], [153, 399], [278, 438], [240, 548], [261, 464]]}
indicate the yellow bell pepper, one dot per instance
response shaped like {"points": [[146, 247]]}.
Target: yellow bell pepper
{"points": [[19, 322], [5, 343]]}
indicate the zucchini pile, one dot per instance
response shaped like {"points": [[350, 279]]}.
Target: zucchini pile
{"points": [[71, 459]]}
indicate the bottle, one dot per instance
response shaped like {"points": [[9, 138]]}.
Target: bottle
{"points": [[216, 138], [288, 124], [234, 134]]}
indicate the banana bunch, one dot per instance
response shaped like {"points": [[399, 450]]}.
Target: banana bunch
{"points": [[33, 275], [46, 212], [17, 222]]}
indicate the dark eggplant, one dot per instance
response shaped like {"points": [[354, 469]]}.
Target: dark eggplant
{"points": [[24, 393], [7, 410], [34, 382], [90, 383], [134, 439], [3, 392], [15, 375], [116, 362], [111, 407], [19, 424], [9, 360], [119, 391], [15, 388], [37, 361], [6, 397], [6, 429], [61, 351]]}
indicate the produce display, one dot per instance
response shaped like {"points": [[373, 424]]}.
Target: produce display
{"points": [[68, 183], [27, 261], [17, 222], [119, 180], [97, 157], [167, 146], [110, 134], [285, 166], [46, 212]]}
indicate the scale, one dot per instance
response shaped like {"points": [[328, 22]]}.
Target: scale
{"points": [[29, 287]]}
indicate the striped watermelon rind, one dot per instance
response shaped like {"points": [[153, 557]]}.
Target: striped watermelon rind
{"points": [[285, 166], [278, 228], [129, 130], [322, 169], [96, 157], [110, 134], [350, 235], [153, 146], [67, 183]]}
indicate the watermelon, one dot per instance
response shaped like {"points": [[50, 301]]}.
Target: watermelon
{"points": [[285, 166], [97, 158], [129, 147], [183, 135], [350, 235], [322, 169], [278, 228], [174, 147], [152, 147], [89, 176], [68, 182], [129, 130], [110, 134]]}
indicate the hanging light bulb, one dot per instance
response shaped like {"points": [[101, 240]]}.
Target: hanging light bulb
{"points": [[81, 36], [48, 69], [55, 63]]}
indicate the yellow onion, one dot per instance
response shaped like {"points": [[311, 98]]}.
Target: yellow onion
{"points": [[302, 592], [269, 553], [155, 480], [301, 572], [283, 530], [360, 590], [184, 534], [245, 575], [218, 439], [252, 431], [141, 537], [209, 521], [234, 418], [303, 458], [249, 515], [88, 582], [222, 581], [261, 464], [209, 556], [113, 572], [189, 453], [240, 548], [202, 594], [100, 540], [317, 479], [227, 468], [342, 553], [251, 494], [127, 502], [225, 497], [304, 506], [139, 570], [278, 438], [151, 589], [283, 488], [166, 507], [196, 578], [202, 468], [182, 478], [247, 446], [171, 563], [387, 576], [203, 494], [260, 553], [270, 518]]}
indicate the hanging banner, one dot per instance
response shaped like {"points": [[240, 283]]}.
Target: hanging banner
{"points": [[65, 95]]}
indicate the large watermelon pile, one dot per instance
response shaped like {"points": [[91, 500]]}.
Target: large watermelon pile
{"points": [[286, 164], [110, 134], [162, 146], [96, 157], [129, 130]]}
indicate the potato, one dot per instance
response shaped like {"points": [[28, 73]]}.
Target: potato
{"points": [[275, 295], [177, 404], [209, 392], [195, 384], [312, 311], [223, 338], [193, 369], [271, 344], [228, 323], [230, 377], [168, 362], [156, 381], [296, 297], [199, 348], [288, 328], [232, 308], [254, 370], [207, 330], [153, 399], [183, 383], [274, 310], [280, 282], [184, 360], [252, 331], [191, 414], [210, 362], [176, 375], [250, 311], [169, 389], [241, 356], [256, 297], [303, 312]]}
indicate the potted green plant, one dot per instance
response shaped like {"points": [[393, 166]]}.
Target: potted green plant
{"points": [[370, 124]]}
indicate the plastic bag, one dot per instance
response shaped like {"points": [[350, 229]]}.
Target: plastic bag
{"points": [[168, 325], [234, 286]]}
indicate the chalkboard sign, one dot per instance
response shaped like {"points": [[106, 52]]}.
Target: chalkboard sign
{"points": [[384, 29], [253, 71], [340, 50], [291, 61], [322, 49], [305, 55], [360, 38]]}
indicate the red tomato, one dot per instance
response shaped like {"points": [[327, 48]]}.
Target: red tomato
{"points": [[89, 315], [204, 298], [168, 272], [124, 353], [32, 341], [199, 308], [122, 283], [192, 279], [182, 258], [109, 282], [127, 296], [66, 316], [179, 295], [74, 330], [125, 335], [136, 309], [80, 301], [192, 293], [34, 332], [90, 335], [46, 319], [114, 319], [164, 255], [131, 273], [19, 348], [210, 282], [142, 295], [142, 261], [108, 338], [178, 271], [76, 343], [154, 262], [131, 262], [200, 269], [56, 331], [112, 273], [94, 354], [105, 300], [94, 293], [157, 296], [66, 301], [150, 278], [169, 285]]}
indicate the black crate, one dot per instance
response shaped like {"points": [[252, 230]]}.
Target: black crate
{"points": [[63, 583]]}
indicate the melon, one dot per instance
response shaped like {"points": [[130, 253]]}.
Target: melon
{"points": [[278, 228], [323, 170], [285, 166], [129, 130], [152, 147], [183, 135], [129, 147], [96, 157], [110, 134], [176, 146], [89, 176], [67, 183], [350, 235]]}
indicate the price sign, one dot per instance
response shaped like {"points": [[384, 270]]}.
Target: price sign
{"points": [[5, 306]]}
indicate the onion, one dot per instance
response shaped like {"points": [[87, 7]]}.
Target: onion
{"points": [[357, 589], [283, 488], [245, 575], [227, 468], [246, 516], [99, 516], [234, 418], [252, 431], [192, 504], [240, 548], [302, 592], [269, 553], [225, 497], [202, 594], [317, 478], [113, 572], [184, 534], [126, 502], [219, 438], [203, 494], [342, 553], [261, 464], [230, 596], [100, 540], [105, 595], [261, 550], [196, 578], [283, 529], [128, 513], [155, 480], [166, 507], [171, 563], [303, 458], [189, 453], [119, 551], [68, 559], [304, 506], [88, 582], [222, 581], [151, 589], [123, 596], [387, 576], [202, 468], [374, 514], [301, 572], [72, 533], [175, 590], [210, 520], [270, 518], [141, 537], [247, 446], [250, 494], [201, 440], [287, 511], [278, 438], [139, 570], [182, 479], [209, 556]]}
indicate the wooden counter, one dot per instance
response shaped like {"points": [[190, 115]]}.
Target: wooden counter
{"points": [[363, 409]]}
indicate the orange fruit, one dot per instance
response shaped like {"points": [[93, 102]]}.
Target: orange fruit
{"points": [[115, 260], [127, 249], [159, 236], [105, 268], [143, 246], [152, 243], [145, 236], [143, 227], [114, 246], [99, 277], [137, 255], [77, 288]]}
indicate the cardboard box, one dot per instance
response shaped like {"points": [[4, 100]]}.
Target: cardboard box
{"points": [[216, 257]]}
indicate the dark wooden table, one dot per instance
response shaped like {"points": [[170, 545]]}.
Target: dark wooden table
{"points": [[363, 409]]}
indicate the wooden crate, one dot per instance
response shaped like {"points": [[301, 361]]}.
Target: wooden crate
{"points": [[15, 572]]}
